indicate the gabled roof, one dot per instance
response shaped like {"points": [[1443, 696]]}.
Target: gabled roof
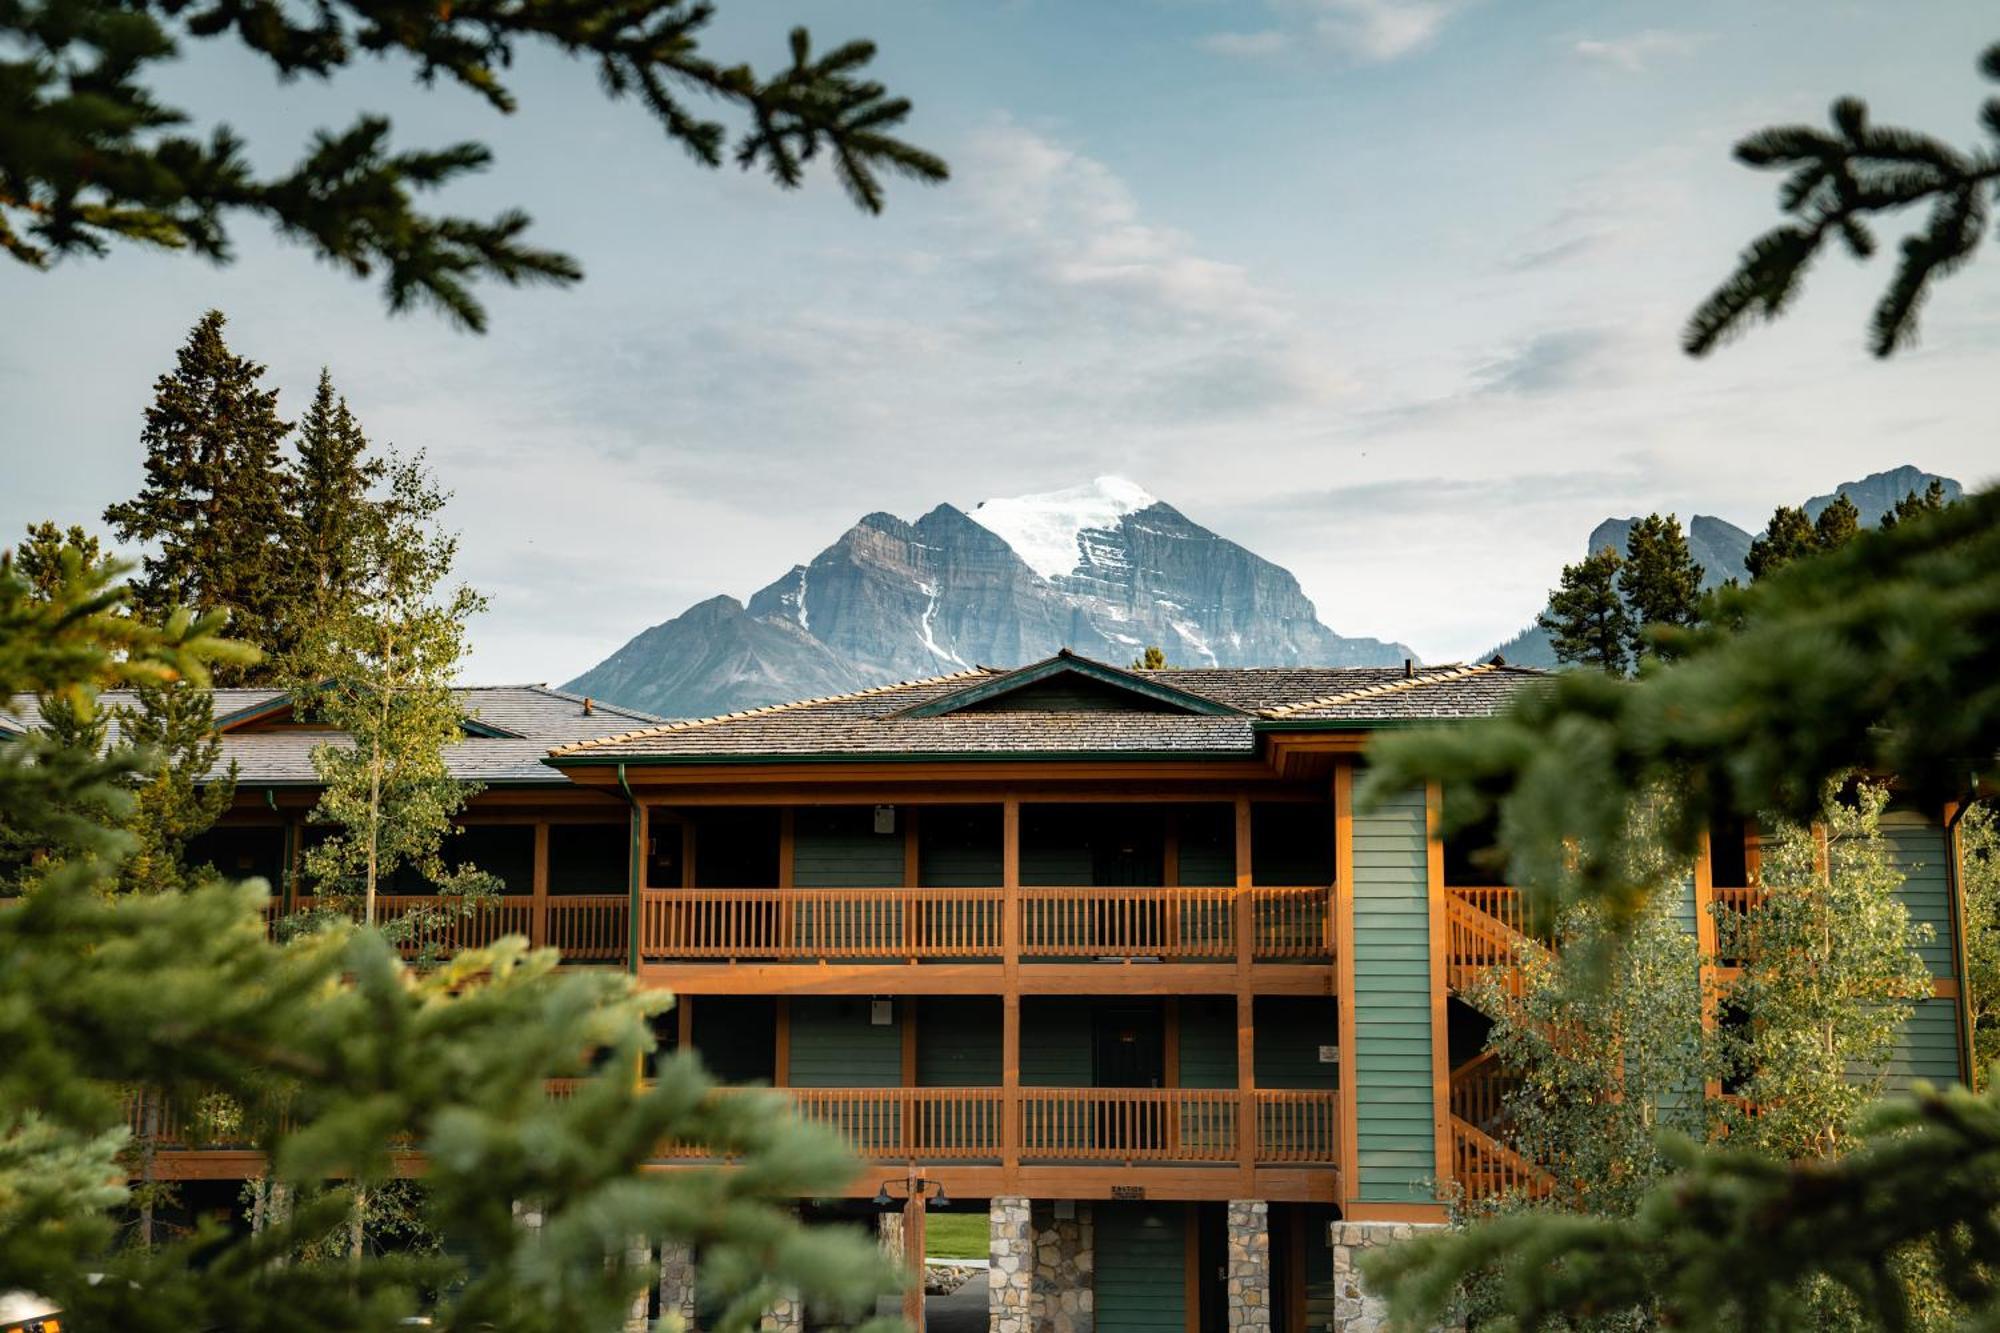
{"points": [[510, 729], [1210, 712], [1141, 693]]}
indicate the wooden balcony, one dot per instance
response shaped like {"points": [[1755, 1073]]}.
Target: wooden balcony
{"points": [[1182, 924], [587, 928], [1057, 1126]]}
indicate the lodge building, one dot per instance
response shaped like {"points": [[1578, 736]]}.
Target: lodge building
{"points": [[1110, 956]]}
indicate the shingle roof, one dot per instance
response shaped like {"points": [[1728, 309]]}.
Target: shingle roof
{"points": [[538, 717], [877, 722]]}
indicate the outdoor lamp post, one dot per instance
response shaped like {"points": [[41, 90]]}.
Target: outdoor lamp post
{"points": [[919, 1196]]}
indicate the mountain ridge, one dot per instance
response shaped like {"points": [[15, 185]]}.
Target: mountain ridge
{"points": [[891, 599]]}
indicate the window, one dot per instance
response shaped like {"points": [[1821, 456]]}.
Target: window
{"points": [[1291, 842], [590, 858]]}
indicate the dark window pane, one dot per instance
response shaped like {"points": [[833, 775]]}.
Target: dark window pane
{"points": [[590, 858], [1291, 842]]}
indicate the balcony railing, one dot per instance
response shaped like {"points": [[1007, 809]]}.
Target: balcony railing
{"points": [[1057, 1125], [585, 927]]}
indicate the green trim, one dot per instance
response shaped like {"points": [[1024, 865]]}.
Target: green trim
{"points": [[1066, 663], [897, 757], [1264, 725]]}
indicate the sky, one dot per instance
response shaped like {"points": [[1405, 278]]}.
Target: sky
{"points": [[1386, 290]]}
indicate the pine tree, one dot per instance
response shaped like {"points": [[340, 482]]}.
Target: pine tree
{"points": [[214, 496], [187, 788], [39, 559], [1915, 505], [1836, 524], [95, 155], [1787, 537], [1661, 581], [1587, 620], [330, 505], [1153, 659], [1979, 866], [381, 668], [336, 1060]]}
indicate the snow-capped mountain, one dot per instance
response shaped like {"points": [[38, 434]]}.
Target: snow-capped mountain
{"points": [[1104, 569]]}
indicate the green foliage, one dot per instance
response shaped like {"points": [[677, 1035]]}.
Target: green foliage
{"points": [[1979, 868], [332, 1056], [1660, 581], [39, 557], [1606, 1041], [330, 508], [1878, 656], [186, 789], [213, 502], [1836, 524], [1831, 974], [1787, 537], [1153, 659], [1840, 181], [379, 666], [93, 156], [1915, 505], [1587, 620]]}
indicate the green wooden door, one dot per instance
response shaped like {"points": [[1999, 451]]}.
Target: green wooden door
{"points": [[1141, 1268]]}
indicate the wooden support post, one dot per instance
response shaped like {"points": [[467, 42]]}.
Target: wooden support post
{"points": [[1010, 892], [684, 1022], [538, 915], [1707, 939], [1010, 1087], [1246, 1089], [906, 1015], [1343, 926], [788, 854], [781, 1072], [913, 1258], [1244, 919], [912, 908], [1439, 963]]}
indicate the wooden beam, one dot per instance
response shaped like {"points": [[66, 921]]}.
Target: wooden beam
{"points": [[1191, 1284], [1120, 977], [538, 919], [1010, 888], [684, 1022], [1954, 863], [1010, 1085], [781, 1074], [1440, 964], [1246, 1089], [1343, 922]]}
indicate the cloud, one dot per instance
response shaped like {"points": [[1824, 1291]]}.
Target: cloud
{"points": [[1550, 362], [1636, 52], [1365, 31]]}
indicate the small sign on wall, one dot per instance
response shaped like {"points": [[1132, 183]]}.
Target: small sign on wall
{"points": [[1128, 1191], [1329, 1055], [881, 1013]]}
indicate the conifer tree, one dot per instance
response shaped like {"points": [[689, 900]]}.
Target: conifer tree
{"points": [[1587, 619], [1153, 659], [1916, 504], [1836, 524], [330, 505], [1787, 537], [186, 790], [1661, 582], [39, 559], [95, 155], [381, 667], [214, 495], [1979, 864]]}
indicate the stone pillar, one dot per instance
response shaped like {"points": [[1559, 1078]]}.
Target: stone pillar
{"points": [[529, 1218], [1064, 1298], [1249, 1266], [786, 1315], [676, 1285], [1011, 1252], [1355, 1309], [639, 1258]]}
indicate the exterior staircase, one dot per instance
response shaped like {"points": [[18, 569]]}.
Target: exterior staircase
{"points": [[1486, 929]]}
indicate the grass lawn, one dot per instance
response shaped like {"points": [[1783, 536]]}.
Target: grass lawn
{"points": [[955, 1235]]}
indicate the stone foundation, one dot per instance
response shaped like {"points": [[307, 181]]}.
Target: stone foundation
{"points": [[786, 1315], [677, 1284], [1249, 1279], [1355, 1309], [1011, 1249], [1063, 1295]]}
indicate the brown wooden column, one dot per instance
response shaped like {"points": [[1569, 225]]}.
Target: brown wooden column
{"points": [[1246, 1033], [1343, 929], [781, 1072], [538, 916], [1010, 1088], [913, 1258], [1439, 961]]}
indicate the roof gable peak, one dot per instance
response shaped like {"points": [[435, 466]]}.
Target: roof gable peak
{"points": [[1068, 682]]}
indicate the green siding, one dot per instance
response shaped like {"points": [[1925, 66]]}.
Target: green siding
{"points": [[1055, 1042], [958, 1043], [959, 848], [1207, 841], [836, 847], [1921, 854], [1927, 1048], [835, 1046], [1208, 1042], [1395, 1136], [1141, 1267], [1289, 1033]]}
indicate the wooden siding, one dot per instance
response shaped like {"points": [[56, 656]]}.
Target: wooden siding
{"points": [[1289, 1032], [836, 847], [1208, 1042], [1927, 1047], [959, 848], [1056, 1035], [835, 1046], [1921, 855], [958, 1042], [1395, 1135], [1206, 836], [1141, 1264]]}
